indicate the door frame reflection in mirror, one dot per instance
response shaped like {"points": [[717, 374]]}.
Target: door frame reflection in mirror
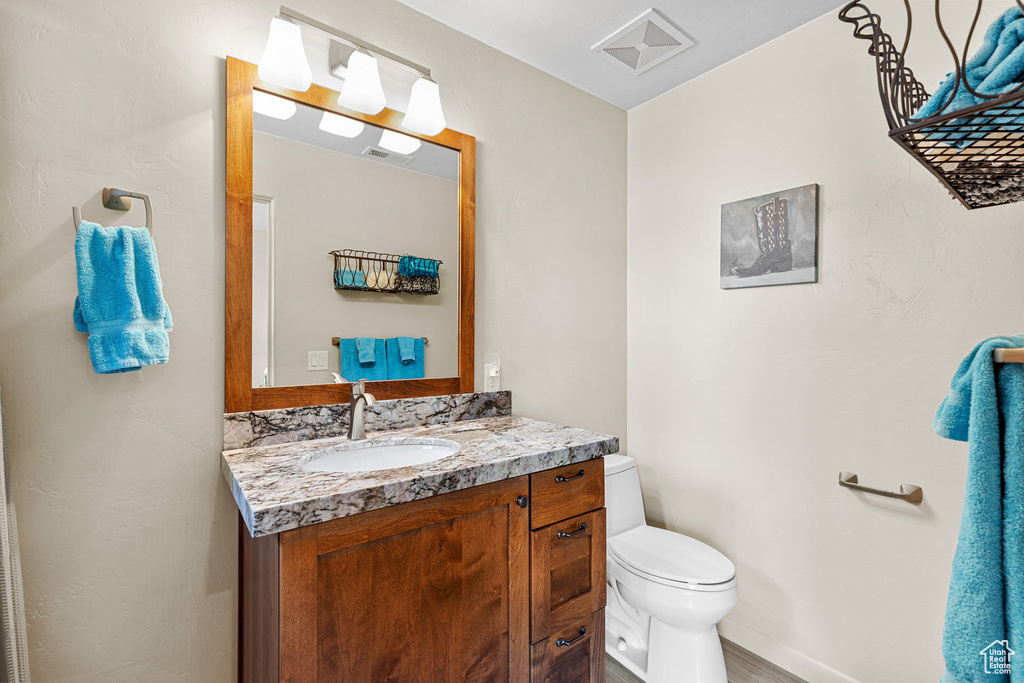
{"points": [[267, 373], [239, 394]]}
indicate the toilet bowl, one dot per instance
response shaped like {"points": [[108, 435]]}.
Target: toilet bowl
{"points": [[666, 592]]}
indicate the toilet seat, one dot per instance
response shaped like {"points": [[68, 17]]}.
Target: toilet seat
{"points": [[672, 559]]}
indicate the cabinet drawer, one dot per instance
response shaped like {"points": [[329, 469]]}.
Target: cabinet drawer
{"points": [[567, 577], [566, 492], [572, 655]]}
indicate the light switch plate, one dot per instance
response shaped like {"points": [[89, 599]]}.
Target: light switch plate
{"points": [[316, 360]]}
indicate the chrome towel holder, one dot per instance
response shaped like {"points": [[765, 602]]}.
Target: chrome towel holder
{"points": [[908, 492], [119, 200]]}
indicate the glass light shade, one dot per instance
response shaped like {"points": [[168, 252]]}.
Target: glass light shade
{"points": [[284, 60], [398, 143], [424, 116], [336, 124], [272, 105], [362, 90]]}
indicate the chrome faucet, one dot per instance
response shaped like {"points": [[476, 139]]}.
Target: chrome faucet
{"points": [[360, 399]]}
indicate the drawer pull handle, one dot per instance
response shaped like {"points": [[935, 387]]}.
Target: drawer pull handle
{"points": [[567, 534], [562, 641], [561, 480]]}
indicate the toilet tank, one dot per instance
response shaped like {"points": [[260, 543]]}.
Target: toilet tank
{"points": [[622, 495]]}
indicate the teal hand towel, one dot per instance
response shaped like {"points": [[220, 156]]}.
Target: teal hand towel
{"points": [[353, 371], [120, 300], [414, 266], [349, 278], [399, 370], [365, 349], [985, 607], [406, 349]]}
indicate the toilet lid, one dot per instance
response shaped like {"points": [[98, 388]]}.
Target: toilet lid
{"points": [[671, 556]]}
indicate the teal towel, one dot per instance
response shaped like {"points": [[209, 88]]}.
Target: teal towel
{"points": [[364, 349], [349, 278], [413, 266], [985, 408], [406, 349], [997, 67], [120, 301], [399, 370], [353, 371]]}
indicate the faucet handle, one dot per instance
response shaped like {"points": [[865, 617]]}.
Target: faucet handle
{"points": [[358, 387]]}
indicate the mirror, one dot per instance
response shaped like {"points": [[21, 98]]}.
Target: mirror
{"points": [[338, 218], [347, 238]]}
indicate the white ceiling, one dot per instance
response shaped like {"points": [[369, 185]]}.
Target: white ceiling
{"points": [[556, 36]]}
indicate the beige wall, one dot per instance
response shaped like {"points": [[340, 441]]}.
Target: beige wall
{"points": [[128, 529], [326, 200], [745, 404]]}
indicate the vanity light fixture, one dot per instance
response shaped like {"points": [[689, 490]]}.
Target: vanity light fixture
{"points": [[336, 124], [272, 105], [398, 143], [284, 60], [425, 115], [284, 64], [362, 90]]}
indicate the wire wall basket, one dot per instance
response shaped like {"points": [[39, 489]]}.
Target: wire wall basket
{"points": [[372, 271], [976, 151]]}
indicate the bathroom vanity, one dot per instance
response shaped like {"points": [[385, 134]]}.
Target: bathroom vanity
{"points": [[375, 560], [485, 565]]}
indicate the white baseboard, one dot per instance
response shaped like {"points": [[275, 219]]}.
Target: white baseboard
{"points": [[784, 657]]}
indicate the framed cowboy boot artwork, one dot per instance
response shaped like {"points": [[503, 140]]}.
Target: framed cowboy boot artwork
{"points": [[771, 239]]}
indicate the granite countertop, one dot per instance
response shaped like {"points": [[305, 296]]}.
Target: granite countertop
{"points": [[274, 493]]}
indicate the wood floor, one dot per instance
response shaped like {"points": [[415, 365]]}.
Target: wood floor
{"points": [[742, 664], [616, 673]]}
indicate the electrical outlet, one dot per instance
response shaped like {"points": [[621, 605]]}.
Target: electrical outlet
{"points": [[316, 360], [492, 375]]}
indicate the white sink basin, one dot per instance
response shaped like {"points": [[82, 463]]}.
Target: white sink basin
{"points": [[379, 454]]}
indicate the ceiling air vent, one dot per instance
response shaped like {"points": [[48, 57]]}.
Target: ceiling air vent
{"points": [[643, 43], [387, 157]]}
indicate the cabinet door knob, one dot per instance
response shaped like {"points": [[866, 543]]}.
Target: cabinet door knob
{"points": [[562, 641], [567, 534], [522, 501], [561, 480]]}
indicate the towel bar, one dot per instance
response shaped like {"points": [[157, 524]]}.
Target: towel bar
{"points": [[907, 492], [1008, 355], [335, 341], [119, 200]]}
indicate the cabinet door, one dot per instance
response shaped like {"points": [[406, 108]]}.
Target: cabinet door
{"points": [[572, 655], [432, 590], [567, 578]]}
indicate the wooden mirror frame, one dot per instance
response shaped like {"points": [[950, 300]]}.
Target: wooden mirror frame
{"points": [[239, 394]]}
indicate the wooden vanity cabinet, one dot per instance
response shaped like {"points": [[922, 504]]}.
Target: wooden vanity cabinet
{"points": [[434, 590], [567, 574]]}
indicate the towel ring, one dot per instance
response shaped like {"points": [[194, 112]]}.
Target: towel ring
{"points": [[119, 200]]}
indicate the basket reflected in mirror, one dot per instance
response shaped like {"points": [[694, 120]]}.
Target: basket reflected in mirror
{"points": [[370, 271]]}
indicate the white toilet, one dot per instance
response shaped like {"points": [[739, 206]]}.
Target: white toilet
{"points": [[666, 592]]}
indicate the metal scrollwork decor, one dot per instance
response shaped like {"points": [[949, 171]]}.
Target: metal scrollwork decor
{"points": [[970, 133]]}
